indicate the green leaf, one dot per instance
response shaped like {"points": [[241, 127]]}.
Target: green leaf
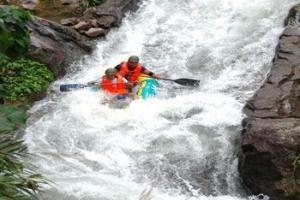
{"points": [[5, 125], [6, 40], [18, 117], [7, 109], [2, 91], [14, 37], [21, 42]]}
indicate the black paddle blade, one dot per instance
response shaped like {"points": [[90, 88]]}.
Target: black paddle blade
{"points": [[69, 87], [188, 82]]}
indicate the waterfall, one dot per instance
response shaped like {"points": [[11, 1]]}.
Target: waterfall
{"points": [[183, 143]]}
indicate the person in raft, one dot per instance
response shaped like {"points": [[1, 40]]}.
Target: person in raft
{"points": [[131, 70], [113, 83]]}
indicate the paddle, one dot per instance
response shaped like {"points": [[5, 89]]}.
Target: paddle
{"points": [[183, 81], [74, 86], [180, 81]]}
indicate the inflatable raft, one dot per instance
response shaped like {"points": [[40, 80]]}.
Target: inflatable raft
{"points": [[147, 87]]}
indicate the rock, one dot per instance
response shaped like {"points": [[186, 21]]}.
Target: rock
{"points": [[289, 39], [56, 45], [292, 31], [270, 137], [94, 32], [3, 2], [269, 150], [68, 22], [82, 25], [29, 4], [94, 23], [293, 17], [108, 14], [57, 10], [107, 21], [69, 2], [59, 46]]}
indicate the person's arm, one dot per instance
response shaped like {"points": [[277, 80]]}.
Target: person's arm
{"points": [[149, 73]]}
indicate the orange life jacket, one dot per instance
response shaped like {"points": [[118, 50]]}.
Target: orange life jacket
{"points": [[117, 87], [131, 76]]}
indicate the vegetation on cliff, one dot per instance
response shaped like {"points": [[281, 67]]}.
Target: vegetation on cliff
{"points": [[94, 2], [14, 36], [296, 163], [17, 181], [22, 77], [19, 79]]}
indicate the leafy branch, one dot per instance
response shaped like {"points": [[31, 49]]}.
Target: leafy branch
{"points": [[17, 181], [14, 35]]}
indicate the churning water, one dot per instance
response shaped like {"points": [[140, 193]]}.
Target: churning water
{"points": [[181, 145]]}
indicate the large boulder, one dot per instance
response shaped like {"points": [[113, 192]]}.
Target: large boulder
{"points": [[56, 45], [271, 131]]}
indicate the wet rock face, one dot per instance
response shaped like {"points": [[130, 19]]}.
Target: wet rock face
{"points": [[271, 131], [55, 45], [59, 45]]}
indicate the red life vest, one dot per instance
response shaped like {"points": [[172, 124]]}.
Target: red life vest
{"points": [[131, 76], [117, 87]]}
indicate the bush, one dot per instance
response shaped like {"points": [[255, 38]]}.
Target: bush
{"points": [[17, 182], [22, 77], [95, 2], [11, 118], [14, 36]]}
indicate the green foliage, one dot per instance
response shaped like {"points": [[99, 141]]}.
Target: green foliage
{"points": [[11, 117], [17, 182], [2, 91], [3, 62], [95, 2], [14, 36], [23, 77], [296, 163]]}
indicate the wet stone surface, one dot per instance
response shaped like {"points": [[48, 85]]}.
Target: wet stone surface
{"points": [[271, 131]]}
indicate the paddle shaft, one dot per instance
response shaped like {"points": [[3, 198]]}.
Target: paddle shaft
{"points": [[74, 86], [180, 81], [166, 79]]}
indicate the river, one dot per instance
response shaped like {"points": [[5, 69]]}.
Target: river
{"points": [[180, 145]]}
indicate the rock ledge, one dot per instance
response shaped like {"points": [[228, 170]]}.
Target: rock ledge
{"points": [[271, 131]]}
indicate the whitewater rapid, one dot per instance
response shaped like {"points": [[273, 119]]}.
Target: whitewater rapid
{"points": [[183, 143]]}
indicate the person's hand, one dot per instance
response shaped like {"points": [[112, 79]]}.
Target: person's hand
{"points": [[156, 76], [135, 83], [91, 83], [129, 85]]}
